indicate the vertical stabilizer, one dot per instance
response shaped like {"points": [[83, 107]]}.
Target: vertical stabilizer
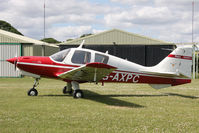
{"points": [[179, 61]]}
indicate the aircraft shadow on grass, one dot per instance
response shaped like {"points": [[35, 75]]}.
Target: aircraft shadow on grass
{"points": [[109, 100], [180, 95], [112, 101], [105, 99], [158, 95]]}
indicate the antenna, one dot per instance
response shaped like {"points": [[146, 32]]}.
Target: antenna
{"points": [[192, 21], [80, 46], [44, 19], [43, 46], [194, 67]]}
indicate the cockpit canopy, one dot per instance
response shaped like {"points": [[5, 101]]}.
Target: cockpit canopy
{"points": [[79, 56]]}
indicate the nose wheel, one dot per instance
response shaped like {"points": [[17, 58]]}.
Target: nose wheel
{"points": [[33, 91]]}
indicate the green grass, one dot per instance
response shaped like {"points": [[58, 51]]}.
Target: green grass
{"points": [[113, 108]]}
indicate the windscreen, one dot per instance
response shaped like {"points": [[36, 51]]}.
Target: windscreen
{"points": [[60, 56]]}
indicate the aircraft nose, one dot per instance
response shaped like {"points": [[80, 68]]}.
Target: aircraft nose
{"points": [[12, 60]]}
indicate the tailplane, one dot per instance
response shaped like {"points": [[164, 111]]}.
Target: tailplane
{"points": [[177, 63], [177, 66]]}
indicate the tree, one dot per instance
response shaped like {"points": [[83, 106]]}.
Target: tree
{"points": [[69, 39], [50, 40], [84, 35], [8, 27]]}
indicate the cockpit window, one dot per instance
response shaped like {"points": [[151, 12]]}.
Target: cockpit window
{"points": [[81, 57], [60, 56], [101, 58]]}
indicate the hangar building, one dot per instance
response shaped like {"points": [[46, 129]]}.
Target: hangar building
{"points": [[12, 45], [133, 47]]}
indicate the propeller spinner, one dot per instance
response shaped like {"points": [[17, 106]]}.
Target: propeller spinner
{"points": [[13, 61]]}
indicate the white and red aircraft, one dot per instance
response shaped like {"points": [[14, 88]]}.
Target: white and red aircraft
{"points": [[79, 65]]}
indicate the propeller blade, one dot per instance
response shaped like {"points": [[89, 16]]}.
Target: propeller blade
{"points": [[15, 63]]}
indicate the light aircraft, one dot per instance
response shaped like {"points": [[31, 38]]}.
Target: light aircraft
{"points": [[80, 65]]}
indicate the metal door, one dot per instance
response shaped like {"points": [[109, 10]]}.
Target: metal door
{"points": [[7, 51]]}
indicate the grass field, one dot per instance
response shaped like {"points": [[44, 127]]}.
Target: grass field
{"points": [[113, 108]]}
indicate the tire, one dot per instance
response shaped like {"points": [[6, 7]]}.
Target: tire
{"points": [[32, 92], [65, 90], [78, 94]]}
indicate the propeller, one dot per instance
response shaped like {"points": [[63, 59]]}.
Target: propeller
{"points": [[15, 62]]}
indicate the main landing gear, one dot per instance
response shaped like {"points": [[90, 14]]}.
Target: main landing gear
{"points": [[33, 91], [77, 92]]}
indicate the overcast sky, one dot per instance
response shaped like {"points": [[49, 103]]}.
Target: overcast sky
{"points": [[168, 20]]}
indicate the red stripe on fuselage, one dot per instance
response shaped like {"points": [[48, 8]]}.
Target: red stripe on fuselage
{"points": [[142, 78], [180, 57]]}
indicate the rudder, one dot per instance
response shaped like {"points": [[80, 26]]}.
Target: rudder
{"points": [[179, 61]]}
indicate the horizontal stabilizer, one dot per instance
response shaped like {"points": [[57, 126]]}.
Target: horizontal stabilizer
{"points": [[91, 72], [165, 74], [159, 86]]}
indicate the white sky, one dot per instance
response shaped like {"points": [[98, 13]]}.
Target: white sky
{"points": [[168, 20]]}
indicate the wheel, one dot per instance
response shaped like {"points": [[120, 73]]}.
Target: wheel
{"points": [[32, 92], [66, 90], [78, 94]]}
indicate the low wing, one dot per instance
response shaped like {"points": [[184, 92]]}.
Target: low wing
{"points": [[92, 72], [165, 74]]}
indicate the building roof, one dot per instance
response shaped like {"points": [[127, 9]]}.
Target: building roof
{"points": [[8, 37], [118, 37]]}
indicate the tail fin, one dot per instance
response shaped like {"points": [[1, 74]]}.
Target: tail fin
{"points": [[178, 62]]}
